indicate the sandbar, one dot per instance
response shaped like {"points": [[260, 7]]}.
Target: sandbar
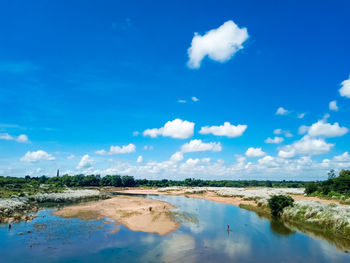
{"points": [[135, 213]]}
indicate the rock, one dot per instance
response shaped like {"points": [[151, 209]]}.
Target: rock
{"points": [[20, 233]]}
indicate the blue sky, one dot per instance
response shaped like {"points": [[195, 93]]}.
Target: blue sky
{"points": [[77, 77]]}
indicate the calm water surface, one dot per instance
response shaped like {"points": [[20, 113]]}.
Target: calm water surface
{"points": [[202, 237]]}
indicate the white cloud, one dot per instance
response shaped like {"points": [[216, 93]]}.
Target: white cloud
{"points": [[21, 138], [181, 101], [199, 146], [321, 128], [176, 129], [70, 157], [288, 153], [305, 146], [31, 157], [301, 115], [218, 44], [195, 99], [277, 131], [338, 162], [135, 133], [267, 161], [345, 88], [191, 162], [177, 157], [288, 134], [130, 148], [345, 157], [285, 132], [254, 152], [227, 129], [148, 147], [274, 140], [85, 162], [282, 111], [297, 168], [139, 159], [333, 105], [303, 129]]}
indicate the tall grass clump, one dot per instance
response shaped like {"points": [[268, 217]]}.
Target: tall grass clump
{"points": [[332, 218]]}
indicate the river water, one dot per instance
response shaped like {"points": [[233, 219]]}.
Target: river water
{"points": [[202, 237]]}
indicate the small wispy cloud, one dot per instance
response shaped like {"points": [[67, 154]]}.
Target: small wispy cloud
{"points": [[282, 111], [20, 138]]}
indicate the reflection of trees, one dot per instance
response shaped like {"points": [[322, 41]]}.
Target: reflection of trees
{"points": [[287, 228], [340, 243], [278, 227]]}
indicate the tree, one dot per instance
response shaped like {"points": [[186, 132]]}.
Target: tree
{"points": [[311, 187], [278, 202], [128, 181], [331, 174]]}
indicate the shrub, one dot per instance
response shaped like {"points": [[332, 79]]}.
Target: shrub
{"points": [[278, 202]]}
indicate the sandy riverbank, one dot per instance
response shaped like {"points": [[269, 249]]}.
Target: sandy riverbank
{"points": [[215, 195], [136, 213]]}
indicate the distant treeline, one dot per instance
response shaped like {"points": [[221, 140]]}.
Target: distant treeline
{"points": [[334, 185], [339, 184], [81, 180]]}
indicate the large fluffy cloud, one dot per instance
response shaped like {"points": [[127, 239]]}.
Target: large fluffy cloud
{"points": [[227, 129], [218, 44], [305, 146], [21, 138], [324, 129], [31, 157], [118, 150], [85, 162], [345, 88], [176, 129], [254, 152], [337, 162], [199, 146]]}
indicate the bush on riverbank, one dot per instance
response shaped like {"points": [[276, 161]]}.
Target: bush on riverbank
{"points": [[278, 202]]}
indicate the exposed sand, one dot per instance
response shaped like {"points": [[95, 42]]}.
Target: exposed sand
{"points": [[212, 196], [136, 213], [145, 191]]}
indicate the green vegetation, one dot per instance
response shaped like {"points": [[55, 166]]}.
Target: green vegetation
{"points": [[278, 202], [334, 188], [27, 186]]}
